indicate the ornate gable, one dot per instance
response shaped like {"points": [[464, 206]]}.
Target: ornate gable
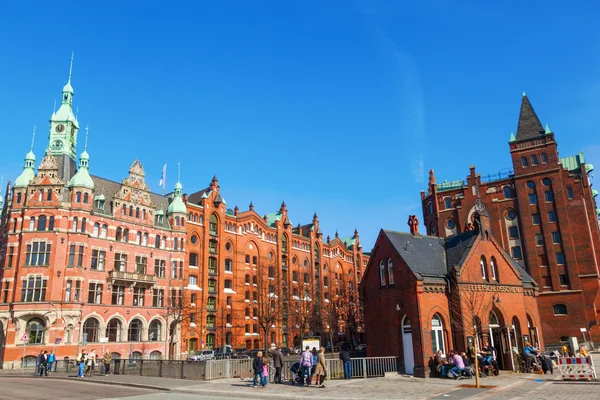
{"points": [[47, 172], [134, 189]]}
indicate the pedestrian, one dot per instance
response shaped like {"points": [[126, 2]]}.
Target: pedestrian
{"points": [[43, 363], [265, 372], [345, 357], [51, 361], [81, 363], [90, 362], [107, 360], [278, 364], [321, 368], [258, 365], [315, 353], [38, 364], [306, 362]]}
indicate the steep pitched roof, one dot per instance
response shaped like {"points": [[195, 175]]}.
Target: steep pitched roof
{"points": [[196, 198], [424, 255], [458, 247], [529, 124]]}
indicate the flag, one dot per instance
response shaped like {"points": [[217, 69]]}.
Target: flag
{"points": [[163, 177]]}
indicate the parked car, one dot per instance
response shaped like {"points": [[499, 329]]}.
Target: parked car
{"points": [[241, 353], [202, 355], [286, 351], [361, 347], [223, 353], [252, 353]]}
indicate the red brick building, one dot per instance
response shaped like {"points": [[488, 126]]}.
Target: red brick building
{"points": [[544, 213], [239, 259], [422, 294], [85, 258]]}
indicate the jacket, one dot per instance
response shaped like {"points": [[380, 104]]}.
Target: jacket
{"points": [[258, 365], [306, 360], [107, 358], [42, 360], [344, 355], [278, 359], [321, 366]]}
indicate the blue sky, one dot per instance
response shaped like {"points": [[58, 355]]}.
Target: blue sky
{"points": [[338, 107]]}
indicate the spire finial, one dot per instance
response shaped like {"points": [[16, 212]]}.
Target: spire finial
{"points": [[77, 113], [54, 108], [32, 139], [178, 172], [524, 94], [87, 132], [547, 130], [71, 66]]}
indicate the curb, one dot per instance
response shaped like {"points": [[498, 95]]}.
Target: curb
{"points": [[114, 383]]}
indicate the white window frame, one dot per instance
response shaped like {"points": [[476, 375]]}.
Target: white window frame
{"points": [[382, 273]]}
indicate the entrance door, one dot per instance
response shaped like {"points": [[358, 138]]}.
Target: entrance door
{"points": [[407, 346], [496, 343]]}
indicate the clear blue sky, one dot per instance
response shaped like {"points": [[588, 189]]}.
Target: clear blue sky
{"points": [[338, 107]]}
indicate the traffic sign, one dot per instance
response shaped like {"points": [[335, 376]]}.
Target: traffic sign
{"points": [[57, 340], [25, 337], [103, 340]]}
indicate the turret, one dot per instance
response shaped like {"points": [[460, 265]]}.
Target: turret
{"points": [[177, 211]]}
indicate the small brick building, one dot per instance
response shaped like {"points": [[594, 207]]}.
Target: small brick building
{"points": [[422, 294]]}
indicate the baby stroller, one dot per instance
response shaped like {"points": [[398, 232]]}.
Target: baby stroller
{"points": [[296, 371]]}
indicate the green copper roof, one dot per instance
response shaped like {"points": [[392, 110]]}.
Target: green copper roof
{"points": [[598, 211], [82, 178], [230, 212], [28, 171], [572, 163], [100, 197], [589, 168], [349, 241], [547, 130], [177, 205], [512, 137], [450, 185], [273, 217], [594, 193]]}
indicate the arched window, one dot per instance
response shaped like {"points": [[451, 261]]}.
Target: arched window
{"points": [[524, 162], [113, 330], [560, 309], [41, 225], [83, 225], [430, 207], [138, 238], [104, 231], [507, 190], [175, 244], [448, 202], [483, 265], [31, 223], [134, 333], [544, 158], [131, 211], [390, 268], [144, 214], [494, 268], [78, 197], [137, 212], [534, 160], [51, 223], [437, 335], [155, 355], [212, 225], [136, 355], [284, 247], [154, 331], [145, 239], [382, 273], [35, 329], [75, 224], [49, 195], [41, 195], [517, 331], [126, 235], [163, 242], [91, 327], [157, 241], [18, 198], [124, 210], [86, 198], [119, 235], [96, 230]]}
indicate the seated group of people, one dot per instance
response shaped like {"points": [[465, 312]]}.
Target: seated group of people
{"points": [[454, 366]]}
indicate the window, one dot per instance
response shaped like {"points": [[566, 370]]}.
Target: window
{"points": [[31, 223], [536, 219], [511, 215], [118, 293], [544, 158], [78, 197], [18, 198], [120, 262], [570, 193], [141, 263], [10, 258], [254, 260], [41, 225], [524, 162], [271, 272], [134, 333], [531, 184], [294, 276], [91, 328], [552, 216], [212, 285], [95, 293], [193, 259], [68, 290], [450, 224], [228, 284], [5, 292], [113, 330], [532, 198], [37, 254], [192, 280], [556, 238], [390, 270], [284, 248], [86, 198], [228, 265], [154, 331], [131, 211], [125, 235], [534, 160], [138, 238], [382, 273], [145, 239], [549, 196], [516, 252], [212, 246], [560, 258], [437, 335], [157, 242], [212, 265], [98, 257], [560, 309], [35, 328], [448, 203], [306, 278], [211, 304], [51, 223], [210, 321], [212, 225], [247, 259], [513, 232], [119, 235], [100, 204], [430, 207], [158, 297], [83, 225], [138, 296], [325, 281], [494, 269], [159, 268], [163, 242], [483, 265], [34, 289], [96, 230], [539, 239], [564, 280], [75, 255]]}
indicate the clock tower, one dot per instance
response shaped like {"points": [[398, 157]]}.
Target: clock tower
{"points": [[63, 133]]}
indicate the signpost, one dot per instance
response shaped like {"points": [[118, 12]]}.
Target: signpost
{"points": [[103, 340], [24, 339], [583, 331]]}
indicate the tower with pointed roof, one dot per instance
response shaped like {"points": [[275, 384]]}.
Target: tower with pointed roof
{"points": [[63, 132]]}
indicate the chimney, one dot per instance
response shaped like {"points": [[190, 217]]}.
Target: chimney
{"points": [[413, 223]]}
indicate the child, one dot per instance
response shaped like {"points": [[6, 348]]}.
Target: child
{"points": [[265, 371]]}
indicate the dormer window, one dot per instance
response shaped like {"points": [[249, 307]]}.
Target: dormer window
{"points": [[100, 204]]}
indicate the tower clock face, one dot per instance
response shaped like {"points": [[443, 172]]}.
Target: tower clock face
{"points": [[60, 128]]}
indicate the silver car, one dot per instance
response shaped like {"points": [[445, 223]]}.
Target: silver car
{"points": [[202, 355]]}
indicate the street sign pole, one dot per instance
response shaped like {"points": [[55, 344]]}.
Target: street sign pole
{"points": [[23, 359]]}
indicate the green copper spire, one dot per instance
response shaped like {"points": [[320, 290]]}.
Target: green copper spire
{"points": [[547, 130], [177, 205], [28, 170], [512, 137], [82, 178]]}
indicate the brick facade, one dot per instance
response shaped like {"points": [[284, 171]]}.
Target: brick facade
{"points": [[544, 214]]}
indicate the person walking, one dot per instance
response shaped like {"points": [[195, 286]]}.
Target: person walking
{"points": [[51, 361], [278, 364], [265, 372], [90, 362], [315, 353], [321, 368], [258, 365], [81, 363], [345, 357], [107, 358], [38, 364], [43, 362], [306, 362]]}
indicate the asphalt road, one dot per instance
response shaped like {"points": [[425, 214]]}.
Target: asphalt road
{"points": [[16, 388]]}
